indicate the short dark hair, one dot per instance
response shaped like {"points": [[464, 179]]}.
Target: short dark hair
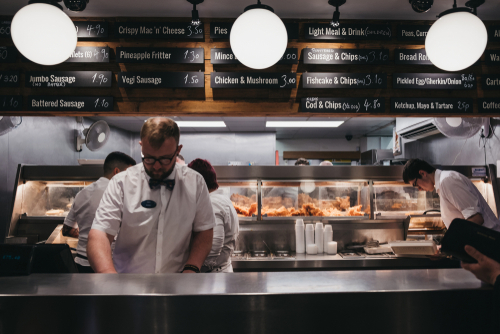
{"points": [[412, 169], [180, 157], [157, 129], [117, 159], [207, 171], [302, 162]]}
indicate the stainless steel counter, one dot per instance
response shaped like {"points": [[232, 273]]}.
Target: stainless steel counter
{"points": [[401, 301]]}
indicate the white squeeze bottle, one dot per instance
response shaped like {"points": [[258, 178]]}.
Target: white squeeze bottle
{"points": [[309, 234], [327, 236], [319, 237], [300, 244]]}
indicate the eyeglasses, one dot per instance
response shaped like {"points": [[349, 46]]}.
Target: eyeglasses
{"points": [[162, 161]]}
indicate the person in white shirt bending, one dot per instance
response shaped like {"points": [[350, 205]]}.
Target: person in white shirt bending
{"points": [[162, 210], [81, 215], [226, 221], [458, 197]]}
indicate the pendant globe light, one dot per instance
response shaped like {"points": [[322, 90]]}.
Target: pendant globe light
{"points": [[43, 33], [258, 37], [457, 39]]}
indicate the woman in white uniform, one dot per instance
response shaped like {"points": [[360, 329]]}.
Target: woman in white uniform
{"points": [[226, 221]]}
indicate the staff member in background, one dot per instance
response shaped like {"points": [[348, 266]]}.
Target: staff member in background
{"points": [[163, 212], [81, 215], [458, 197], [226, 221], [180, 160], [302, 162]]}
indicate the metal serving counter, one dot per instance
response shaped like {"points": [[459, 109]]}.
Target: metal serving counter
{"points": [[402, 301]]}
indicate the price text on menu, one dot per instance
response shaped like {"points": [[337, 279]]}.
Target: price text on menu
{"points": [[346, 56], [63, 79], [11, 102], [91, 29], [431, 105], [70, 103], [161, 79], [342, 105], [160, 55], [8, 54], [166, 30], [226, 56], [348, 31], [433, 81], [252, 80], [344, 80]]}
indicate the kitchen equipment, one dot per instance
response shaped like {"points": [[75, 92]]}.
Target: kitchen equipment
{"points": [[378, 249], [413, 248]]}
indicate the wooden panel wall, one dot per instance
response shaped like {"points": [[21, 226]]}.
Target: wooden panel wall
{"points": [[237, 102]]}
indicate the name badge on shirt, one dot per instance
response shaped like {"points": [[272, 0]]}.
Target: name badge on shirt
{"points": [[149, 204]]}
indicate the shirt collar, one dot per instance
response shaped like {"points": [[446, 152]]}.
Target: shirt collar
{"points": [[437, 179], [170, 177]]}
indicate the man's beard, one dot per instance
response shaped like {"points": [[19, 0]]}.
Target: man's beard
{"points": [[162, 176]]}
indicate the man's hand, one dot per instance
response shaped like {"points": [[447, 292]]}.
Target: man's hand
{"points": [[486, 269], [68, 231], [200, 247]]}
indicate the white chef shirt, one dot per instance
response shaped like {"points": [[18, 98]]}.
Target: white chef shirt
{"points": [[459, 198], [225, 231], [82, 213], [154, 240]]}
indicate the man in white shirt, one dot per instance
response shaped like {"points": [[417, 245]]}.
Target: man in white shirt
{"points": [[458, 197], [162, 210], [81, 215], [226, 221]]}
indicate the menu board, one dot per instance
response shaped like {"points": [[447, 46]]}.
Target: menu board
{"points": [[70, 103], [223, 30], [346, 56], [160, 55], [253, 80], [225, 56], [492, 57], [65, 79], [9, 79], [11, 102], [344, 80], [494, 33], [347, 31], [161, 79], [431, 105], [161, 30], [411, 57], [490, 81], [412, 32], [488, 105], [91, 29], [433, 81], [8, 54], [5, 28], [342, 105], [89, 54]]}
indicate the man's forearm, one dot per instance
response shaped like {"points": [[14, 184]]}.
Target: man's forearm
{"points": [[476, 219], [99, 252], [201, 245]]}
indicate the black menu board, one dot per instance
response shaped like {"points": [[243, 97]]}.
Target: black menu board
{"points": [[225, 56], [342, 105], [431, 105], [433, 81], [345, 56], [89, 54], [8, 54], [411, 57], [344, 80], [490, 81], [11, 102], [5, 29], [9, 79], [253, 80], [161, 30], [494, 33], [347, 31], [412, 32], [91, 29], [488, 105], [70, 103], [161, 79], [64, 79], [223, 30], [160, 55], [492, 57]]}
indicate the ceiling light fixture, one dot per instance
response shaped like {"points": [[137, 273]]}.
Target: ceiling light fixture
{"points": [[458, 38], [43, 33], [421, 6], [201, 124], [195, 18], [300, 124], [336, 14], [258, 37], [76, 5]]}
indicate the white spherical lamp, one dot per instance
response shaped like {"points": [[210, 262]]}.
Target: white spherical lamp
{"points": [[456, 41], [258, 37], [43, 33]]}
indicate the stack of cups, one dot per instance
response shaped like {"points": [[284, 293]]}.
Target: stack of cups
{"points": [[300, 244], [327, 237], [310, 239], [319, 237]]}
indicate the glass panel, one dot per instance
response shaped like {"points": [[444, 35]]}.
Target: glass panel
{"points": [[311, 198], [243, 195]]}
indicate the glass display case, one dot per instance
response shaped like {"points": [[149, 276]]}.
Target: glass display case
{"points": [[243, 195]]}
